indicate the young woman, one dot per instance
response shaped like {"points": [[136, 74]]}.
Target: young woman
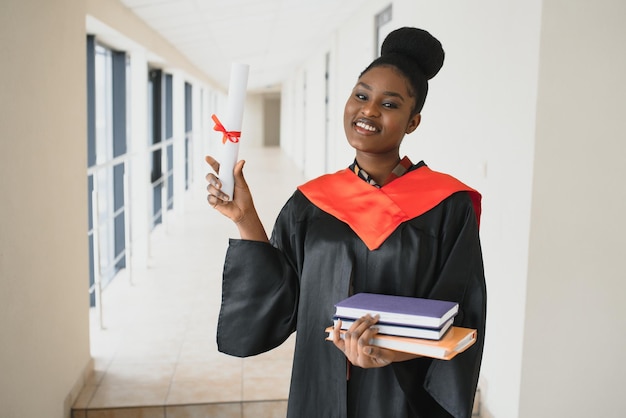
{"points": [[383, 225]]}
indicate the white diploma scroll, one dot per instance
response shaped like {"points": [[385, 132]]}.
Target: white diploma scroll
{"points": [[232, 124]]}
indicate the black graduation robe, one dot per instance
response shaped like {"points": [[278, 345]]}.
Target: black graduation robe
{"points": [[338, 235]]}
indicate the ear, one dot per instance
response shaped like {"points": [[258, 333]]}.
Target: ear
{"points": [[413, 123]]}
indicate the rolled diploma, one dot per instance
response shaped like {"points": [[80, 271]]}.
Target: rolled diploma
{"points": [[232, 122]]}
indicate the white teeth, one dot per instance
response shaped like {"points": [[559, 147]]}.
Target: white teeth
{"points": [[365, 126]]}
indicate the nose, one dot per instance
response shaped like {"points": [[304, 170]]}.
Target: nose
{"points": [[370, 109]]}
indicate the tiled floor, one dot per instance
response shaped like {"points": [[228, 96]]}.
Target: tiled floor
{"points": [[157, 356]]}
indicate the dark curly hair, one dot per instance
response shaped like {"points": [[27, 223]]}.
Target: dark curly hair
{"points": [[416, 54]]}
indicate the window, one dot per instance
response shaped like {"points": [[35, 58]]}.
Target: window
{"points": [[106, 151], [160, 134], [155, 135], [169, 137]]}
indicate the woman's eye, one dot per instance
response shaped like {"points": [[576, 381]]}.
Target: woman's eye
{"points": [[390, 105], [360, 96]]}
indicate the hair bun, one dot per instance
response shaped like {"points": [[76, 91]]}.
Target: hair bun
{"points": [[419, 46]]}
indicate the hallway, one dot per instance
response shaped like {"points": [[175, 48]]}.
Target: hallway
{"points": [[156, 356]]}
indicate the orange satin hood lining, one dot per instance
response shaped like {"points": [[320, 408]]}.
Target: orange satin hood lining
{"points": [[373, 213]]}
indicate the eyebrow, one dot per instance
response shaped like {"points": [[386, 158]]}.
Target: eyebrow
{"points": [[386, 93]]}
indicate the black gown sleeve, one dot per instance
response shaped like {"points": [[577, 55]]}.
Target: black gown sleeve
{"points": [[260, 290], [452, 384]]}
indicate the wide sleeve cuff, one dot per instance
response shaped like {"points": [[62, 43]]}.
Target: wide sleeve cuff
{"points": [[259, 299]]}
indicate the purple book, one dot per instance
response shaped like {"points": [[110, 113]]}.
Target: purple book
{"points": [[401, 310]]}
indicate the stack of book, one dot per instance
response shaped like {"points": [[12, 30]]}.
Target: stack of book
{"points": [[413, 325]]}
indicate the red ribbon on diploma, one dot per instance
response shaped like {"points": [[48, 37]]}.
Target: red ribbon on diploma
{"points": [[232, 136]]}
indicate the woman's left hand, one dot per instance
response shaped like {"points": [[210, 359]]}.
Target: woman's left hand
{"points": [[356, 344]]}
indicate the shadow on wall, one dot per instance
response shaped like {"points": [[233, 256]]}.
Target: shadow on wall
{"points": [[479, 411]]}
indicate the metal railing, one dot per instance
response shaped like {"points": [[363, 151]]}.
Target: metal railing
{"points": [[126, 209], [99, 224]]}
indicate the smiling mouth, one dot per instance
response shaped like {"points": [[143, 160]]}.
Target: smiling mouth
{"points": [[365, 125]]}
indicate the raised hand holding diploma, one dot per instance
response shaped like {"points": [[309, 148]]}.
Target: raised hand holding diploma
{"points": [[238, 206], [230, 125]]}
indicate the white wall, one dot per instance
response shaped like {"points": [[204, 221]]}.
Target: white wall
{"points": [[287, 117], [575, 330], [353, 51], [478, 124], [303, 113], [314, 149], [521, 125], [253, 125], [44, 307]]}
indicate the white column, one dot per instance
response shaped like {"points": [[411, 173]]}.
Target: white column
{"points": [[196, 154], [139, 178], [178, 127], [215, 103]]}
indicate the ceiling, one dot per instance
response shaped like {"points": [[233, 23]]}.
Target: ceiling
{"points": [[272, 36]]}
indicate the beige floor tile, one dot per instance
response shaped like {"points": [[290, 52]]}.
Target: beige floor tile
{"points": [[79, 413], [166, 352], [265, 388], [144, 412], [131, 395], [98, 374], [258, 368], [202, 326], [210, 371], [224, 410], [193, 350], [84, 397], [205, 391], [270, 409], [127, 374]]}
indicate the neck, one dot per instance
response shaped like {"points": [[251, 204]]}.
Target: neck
{"points": [[378, 167]]}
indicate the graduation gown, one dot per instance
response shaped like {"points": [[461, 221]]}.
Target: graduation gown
{"points": [[337, 235]]}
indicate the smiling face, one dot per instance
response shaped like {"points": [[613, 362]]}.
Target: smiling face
{"points": [[379, 112]]}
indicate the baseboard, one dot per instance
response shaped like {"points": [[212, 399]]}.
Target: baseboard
{"points": [[78, 386]]}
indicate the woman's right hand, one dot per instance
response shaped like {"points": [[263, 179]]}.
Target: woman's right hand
{"points": [[235, 208], [241, 208]]}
